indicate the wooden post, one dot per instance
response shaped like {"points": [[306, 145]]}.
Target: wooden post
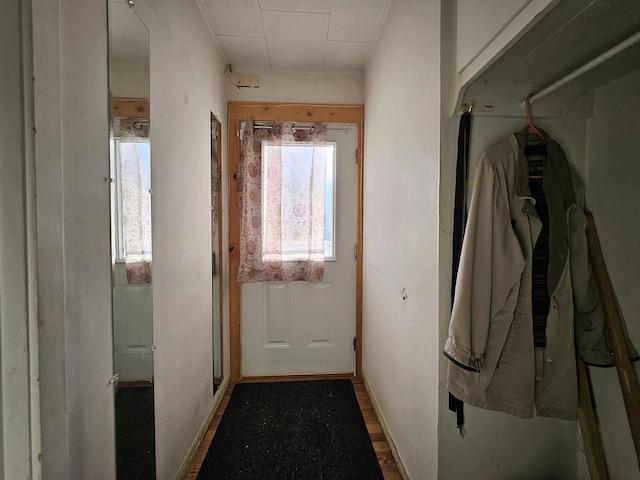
{"points": [[589, 426], [617, 338]]}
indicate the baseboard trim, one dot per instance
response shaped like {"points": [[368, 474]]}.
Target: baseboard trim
{"points": [[217, 400], [385, 430]]}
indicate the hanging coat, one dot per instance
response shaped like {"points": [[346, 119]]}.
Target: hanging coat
{"points": [[494, 363]]}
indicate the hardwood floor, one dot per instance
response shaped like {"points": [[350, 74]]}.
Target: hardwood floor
{"points": [[380, 445]]}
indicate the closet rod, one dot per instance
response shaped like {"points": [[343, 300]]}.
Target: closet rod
{"points": [[632, 40]]}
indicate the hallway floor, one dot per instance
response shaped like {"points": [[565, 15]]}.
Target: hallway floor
{"points": [[380, 446]]}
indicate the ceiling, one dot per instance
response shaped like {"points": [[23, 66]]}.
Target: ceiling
{"points": [[128, 36], [304, 35]]}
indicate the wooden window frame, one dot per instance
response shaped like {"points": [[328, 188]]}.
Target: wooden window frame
{"points": [[304, 113]]}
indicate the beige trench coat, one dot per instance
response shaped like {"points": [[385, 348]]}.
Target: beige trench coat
{"points": [[494, 363]]}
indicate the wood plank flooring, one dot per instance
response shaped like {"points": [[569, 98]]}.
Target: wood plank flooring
{"points": [[380, 445]]}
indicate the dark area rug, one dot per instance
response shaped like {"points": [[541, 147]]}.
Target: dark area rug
{"points": [[292, 430], [135, 434]]}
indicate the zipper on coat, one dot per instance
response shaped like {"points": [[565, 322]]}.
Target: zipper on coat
{"points": [[478, 364], [461, 365]]}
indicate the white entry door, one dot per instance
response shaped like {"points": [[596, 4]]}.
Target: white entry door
{"points": [[291, 328]]}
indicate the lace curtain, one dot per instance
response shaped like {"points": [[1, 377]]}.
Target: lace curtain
{"points": [[281, 201]]}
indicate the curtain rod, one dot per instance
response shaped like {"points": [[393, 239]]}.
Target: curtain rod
{"points": [[632, 40], [300, 126]]}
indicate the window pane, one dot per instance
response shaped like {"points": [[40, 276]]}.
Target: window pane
{"points": [[297, 201], [329, 201], [136, 199]]}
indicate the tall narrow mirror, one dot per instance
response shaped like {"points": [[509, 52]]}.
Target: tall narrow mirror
{"points": [[216, 249], [131, 251]]}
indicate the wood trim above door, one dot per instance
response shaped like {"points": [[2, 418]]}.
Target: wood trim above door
{"points": [[129, 107], [322, 113]]}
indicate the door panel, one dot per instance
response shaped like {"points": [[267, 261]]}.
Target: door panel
{"points": [[293, 328], [278, 321], [133, 332]]}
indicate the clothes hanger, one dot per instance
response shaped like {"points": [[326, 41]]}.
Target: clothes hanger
{"points": [[532, 127]]}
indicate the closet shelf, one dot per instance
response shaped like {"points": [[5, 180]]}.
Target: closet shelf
{"points": [[612, 64], [572, 49]]}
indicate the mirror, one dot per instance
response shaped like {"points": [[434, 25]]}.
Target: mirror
{"points": [[131, 252], [216, 249]]}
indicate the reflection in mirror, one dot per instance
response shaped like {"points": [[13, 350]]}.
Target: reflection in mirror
{"points": [[131, 251], [216, 249]]}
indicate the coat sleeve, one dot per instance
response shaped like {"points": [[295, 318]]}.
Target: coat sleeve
{"points": [[490, 265]]}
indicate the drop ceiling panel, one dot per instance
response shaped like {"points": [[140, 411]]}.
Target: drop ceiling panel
{"points": [[346, 55], [295, 27], [296, 34], [297, 55], [237, 17], [245, 51], [296, 40], [317, 6], [356, 20]]}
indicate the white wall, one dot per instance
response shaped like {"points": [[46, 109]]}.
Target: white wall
{"points": [[74, 278], [302, 87], [187, 83], [19, 446], [613, 196], [127, 80], [479, 23], [402, 118], [70, 39], [51, 261]]}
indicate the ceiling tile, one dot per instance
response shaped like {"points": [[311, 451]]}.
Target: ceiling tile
{"points": [[346, 55], [245, 51], [356, 20], [317, 6], [235, 17], [296, 40], [285, 54], [295, 27]]}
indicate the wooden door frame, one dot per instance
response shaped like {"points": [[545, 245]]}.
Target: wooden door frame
{"points": [[219, 234], [304, 113]]}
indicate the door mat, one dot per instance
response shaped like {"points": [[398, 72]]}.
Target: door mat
{"points": [[292, 430], [135, 433]]}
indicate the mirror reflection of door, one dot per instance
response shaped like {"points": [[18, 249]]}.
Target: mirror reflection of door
{"points": [[216, 249], [131, 250]]}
